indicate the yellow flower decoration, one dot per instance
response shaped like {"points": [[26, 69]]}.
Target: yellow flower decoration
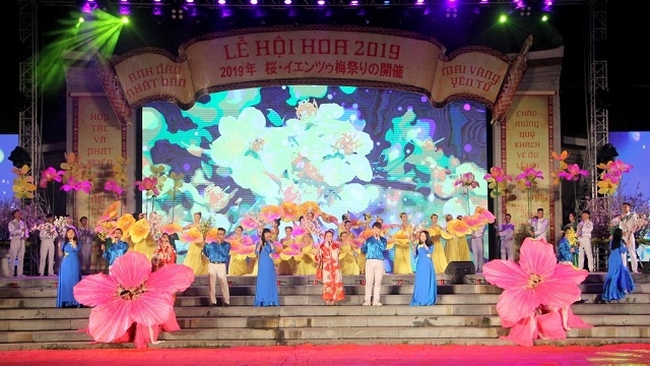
{"points": [[139, 230], [171, 229], [71, 167], [606, 187], [111, 211], [193, 235], [23, 185], [211, 235], [125, 222]]}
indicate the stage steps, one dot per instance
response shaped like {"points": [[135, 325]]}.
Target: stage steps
{"points": [[464, 314]]}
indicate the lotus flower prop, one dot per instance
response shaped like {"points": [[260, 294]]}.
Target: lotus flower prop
{"points": [[527, 181], [497, 181], [131, 294], [242, 248]]}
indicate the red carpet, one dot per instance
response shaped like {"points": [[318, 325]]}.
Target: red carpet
{"points": [[411, 355]]}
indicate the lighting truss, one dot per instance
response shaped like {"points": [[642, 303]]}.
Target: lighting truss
{"points": [[304, 3]]}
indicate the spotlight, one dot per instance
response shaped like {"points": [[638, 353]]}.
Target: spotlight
{"points": [[178, 14], [222, 2], [354, 2], [287, 2], [547, 5], [419, 2], [452, 13], [253, 2], [321, 2]]}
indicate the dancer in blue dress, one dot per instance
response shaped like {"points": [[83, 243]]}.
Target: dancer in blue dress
{"points": [[424, 289], [618, 281], [266, 287], [70, 270]]}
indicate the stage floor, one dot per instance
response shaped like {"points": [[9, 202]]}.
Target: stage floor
{"points": [[397, 355]]}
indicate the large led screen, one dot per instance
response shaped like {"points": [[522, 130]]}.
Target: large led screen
{"points": [[352, 150], [633, 148]]}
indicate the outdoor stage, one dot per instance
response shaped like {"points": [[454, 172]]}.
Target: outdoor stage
{"points": [[344, 355]]}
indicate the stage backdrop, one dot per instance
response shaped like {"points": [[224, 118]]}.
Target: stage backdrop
{"points": [[325, 55], [98, 139], [527, 139], [352, 150]]}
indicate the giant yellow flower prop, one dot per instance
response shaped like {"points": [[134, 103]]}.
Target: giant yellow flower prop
{"points": [[23, 184], [139, 230]]}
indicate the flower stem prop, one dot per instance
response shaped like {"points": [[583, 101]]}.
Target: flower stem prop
{"points": [[497, 181], [610, 178], [573, 173], [527, 181], [467, 181]]}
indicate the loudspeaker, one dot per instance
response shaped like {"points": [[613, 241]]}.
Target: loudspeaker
{"points": [[460, 268]]}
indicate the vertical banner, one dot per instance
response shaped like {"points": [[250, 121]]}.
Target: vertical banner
{"points": [[527, 141], [98, 139]]}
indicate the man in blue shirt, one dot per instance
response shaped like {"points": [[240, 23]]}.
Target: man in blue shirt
{"points": [[374, 248], [217, 253]]}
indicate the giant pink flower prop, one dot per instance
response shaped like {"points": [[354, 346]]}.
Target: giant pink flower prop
{"points": [[573, 173], [48, 175], [113, 187], [131, 294], [150, 185], [528, 176], [537, 280], [75, 185]]}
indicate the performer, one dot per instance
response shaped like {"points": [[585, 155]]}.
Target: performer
{"points": [[117, 249], [507, 237], [374, 248], [628, 223], [47, 233], [217, 256], [70, 272], [584, 240], [18, 232], [287, 267], [477, 247], [565, 251], [402, 238], [439, 258], [573, 223], [328, 260], [539, 225], [194, 258], [266, 290], [348, 255], [618, 281], [238, 264], [86, 235], [424, 286], [456, 248], [163, 254]]}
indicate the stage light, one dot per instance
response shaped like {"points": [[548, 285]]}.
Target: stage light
{"points": [[321, 2], [287, 2], [547, 5], [222, 2], [544, 18], [190, 1], [503, 18], [253, 2], [452, 13], [178, 14], [354, 2]]}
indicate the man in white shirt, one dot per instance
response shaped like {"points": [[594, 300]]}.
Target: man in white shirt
{"points": [[507, 234], [477, 247], [585, 227], [17, 234], [540, 226]]}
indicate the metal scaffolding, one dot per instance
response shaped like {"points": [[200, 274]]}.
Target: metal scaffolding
{"points": [[599, 114], [29, 131]]}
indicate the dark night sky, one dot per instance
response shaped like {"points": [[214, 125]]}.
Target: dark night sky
{"points": [[629, 82]]}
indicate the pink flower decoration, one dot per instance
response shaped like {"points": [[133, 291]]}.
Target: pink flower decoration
{"points": [[497, 174], [74, 185], [537, 280], [148, 184], [249, 223], [131, 294], [467, 180], [48, 175], [529, 175], [113, 187], [573, 172], [298, 230]]}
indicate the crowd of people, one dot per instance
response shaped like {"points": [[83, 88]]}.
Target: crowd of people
{"points": [[367, 247]]}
